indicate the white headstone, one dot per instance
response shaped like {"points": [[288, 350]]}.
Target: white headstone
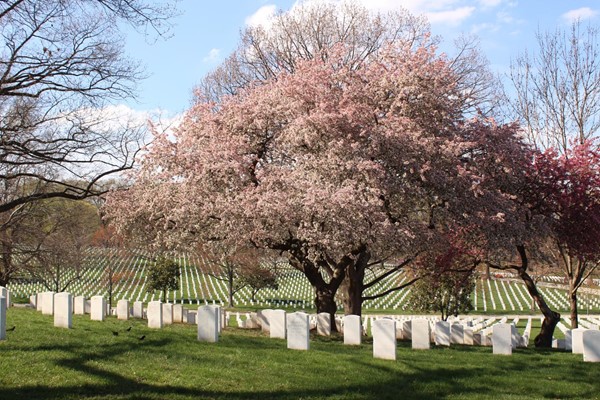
{"points": [[2, 318], [568, 340], [167, 313], [39, 301], [502, 339], [399, 333], [252, 322], [191, 317], [88, 306], [338, 324], [591, 345], [208, 324], [486, 340], [477, 339], [262, 317], [407, 330], [79, 305], [177, 313], [48, 303], [277, 324], [421, 333], [63, 310], [352, 330], [155, 317], [298, 332], [324, 324], [515, 337], [33, 300], [184, 315], [138, 309], [4, 292], [457, 334], [220, 317], [442, 333], [577, 337], [123, 309], [98, 311], [384, 339], [468, 338]]}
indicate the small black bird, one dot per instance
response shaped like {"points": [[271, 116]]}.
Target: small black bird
{"points": [[142, 337], [11, 329], [128, 329], [115, 333]]}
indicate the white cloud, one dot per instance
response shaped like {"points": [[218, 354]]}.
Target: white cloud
{"points": [[485, 27], [213, 55], [437, 11], [490, 3], [414, 6], [579, 13], [505, 17], [262, 16], [384, 5], [451, 17]]}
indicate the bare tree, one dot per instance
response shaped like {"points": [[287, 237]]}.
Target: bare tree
{"points": [[61, 64], [310, 30], [557, 100], [481, 90], [557, 89], [307, 31], [62, 233], [237, 267]]}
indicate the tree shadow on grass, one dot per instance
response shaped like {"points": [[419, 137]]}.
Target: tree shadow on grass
{"points": [[413, 376], [118, 386]]}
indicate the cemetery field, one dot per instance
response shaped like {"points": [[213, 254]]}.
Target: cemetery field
{"points": [[198, 285], [38, 361]]}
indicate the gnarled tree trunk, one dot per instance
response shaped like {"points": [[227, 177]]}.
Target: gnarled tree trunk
{"points": [[353, 285], [324, 291], [551, 318]]}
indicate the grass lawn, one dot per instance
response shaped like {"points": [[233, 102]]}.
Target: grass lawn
{"points": [[38, 361]]}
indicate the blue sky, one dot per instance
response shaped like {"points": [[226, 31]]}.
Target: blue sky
{"points": [[207, 31]]}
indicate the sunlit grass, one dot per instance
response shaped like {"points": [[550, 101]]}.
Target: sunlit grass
{"points": [[38, 361]]}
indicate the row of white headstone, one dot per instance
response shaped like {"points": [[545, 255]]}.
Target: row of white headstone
{"points": [[158, 314], [295, 327]]}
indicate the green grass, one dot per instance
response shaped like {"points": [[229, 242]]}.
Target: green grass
{"points": [[38, 361]]}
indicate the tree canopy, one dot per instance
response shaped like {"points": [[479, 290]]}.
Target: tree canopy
{"points": [[331, 165]]}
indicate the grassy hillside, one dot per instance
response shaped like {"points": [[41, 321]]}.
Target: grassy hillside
{"points": [[198, 285], [38, 361]]}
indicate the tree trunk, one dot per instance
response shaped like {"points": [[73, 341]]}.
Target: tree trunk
{"points": [[110, 288], [325, 303], [353, 285], [573, 304], [230, 291], [353, 297], [6, 264], [324, 291], [551, 318]]}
